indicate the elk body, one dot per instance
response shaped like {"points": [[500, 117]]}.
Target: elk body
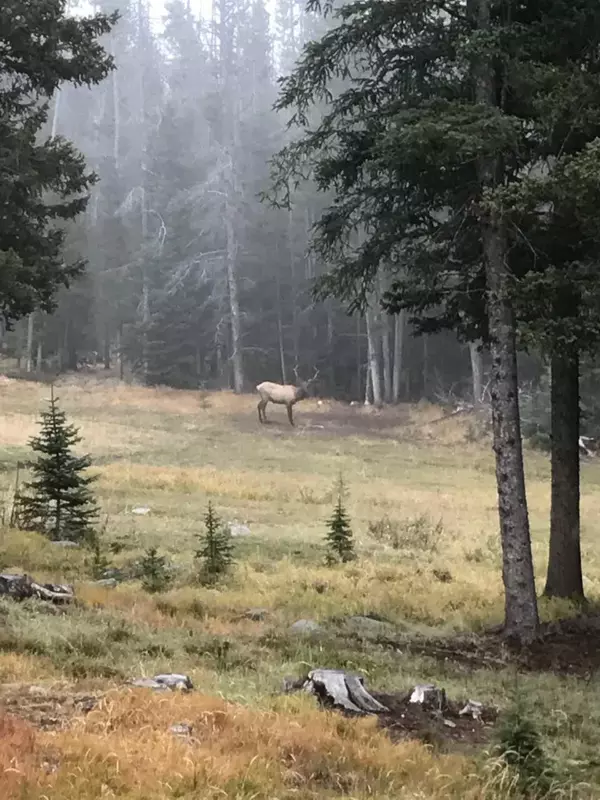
{"points": [[282, 395]]}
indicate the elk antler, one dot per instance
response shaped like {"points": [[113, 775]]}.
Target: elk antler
{"points": [[314, 377], [296, 374]]}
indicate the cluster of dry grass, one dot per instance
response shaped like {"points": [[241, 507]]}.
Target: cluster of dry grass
{"points": [[172, 451]]}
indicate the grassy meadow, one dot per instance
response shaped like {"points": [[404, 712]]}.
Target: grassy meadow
{"points": [[171, 451]]}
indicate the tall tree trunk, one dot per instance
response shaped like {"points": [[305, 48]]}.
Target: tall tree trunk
{"points": [[476, 372], [358, 358], [145, 294], [399, 328], [387, 361], [373, 359], [368, 381], [29, 346], [294, 288], [234, 304], [564, 578], [521, 619]]}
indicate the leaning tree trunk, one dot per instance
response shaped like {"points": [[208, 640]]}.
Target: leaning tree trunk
{"points": [[564, 577], [521, 619]]}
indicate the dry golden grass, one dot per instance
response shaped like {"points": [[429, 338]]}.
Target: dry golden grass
{"points": [[175, 450], [126, 749]]}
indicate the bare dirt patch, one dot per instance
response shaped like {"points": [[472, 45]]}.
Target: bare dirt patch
{"points": [[568, 647], [336, 420], [446, 729], [45, 707]]}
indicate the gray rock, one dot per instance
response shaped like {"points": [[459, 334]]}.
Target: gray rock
{"points": [[65, 543], [148, 683], [256, 614], [171, 680], [175, 680], [239, 530], [305, 626], [108, 583], [181, 730]]}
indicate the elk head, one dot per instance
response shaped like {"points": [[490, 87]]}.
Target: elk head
{"points": [[303, 387]]}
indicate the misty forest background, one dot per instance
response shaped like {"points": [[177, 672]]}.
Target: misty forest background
{"points": [[192, 281]]}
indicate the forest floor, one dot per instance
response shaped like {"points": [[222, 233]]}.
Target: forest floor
{"points": [[421, 497]]}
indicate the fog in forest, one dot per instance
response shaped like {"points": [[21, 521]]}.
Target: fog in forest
{"points": [[192, 280]]}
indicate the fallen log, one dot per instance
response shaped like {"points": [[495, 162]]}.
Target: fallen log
{"points": [[22, 587]]}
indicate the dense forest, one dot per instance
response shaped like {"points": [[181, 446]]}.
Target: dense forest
{"points": [[193, 280]]}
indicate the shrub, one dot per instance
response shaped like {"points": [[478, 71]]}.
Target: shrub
{"points": [[418, 533], [520, 745]]}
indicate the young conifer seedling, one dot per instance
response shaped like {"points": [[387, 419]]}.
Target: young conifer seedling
{"points": [[339, 538], [215, 556], [58, 501]]}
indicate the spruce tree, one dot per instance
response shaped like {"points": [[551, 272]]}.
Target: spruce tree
{"points": [[340, 541], [215, 555], [43, 181], [58, 502], [155, 572]]}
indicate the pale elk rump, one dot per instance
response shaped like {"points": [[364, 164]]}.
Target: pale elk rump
{"points": [[282, 395]]}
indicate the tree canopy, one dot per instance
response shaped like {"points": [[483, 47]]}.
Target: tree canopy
{"points": [[43, 183]]}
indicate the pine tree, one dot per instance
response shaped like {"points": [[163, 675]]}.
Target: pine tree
{"points": [[42, 182], [340, 540], [58, 501], [216, 553], [155, 572], [98, 562]]}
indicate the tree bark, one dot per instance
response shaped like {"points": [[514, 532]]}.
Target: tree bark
{"points": [[564, 578], [386, 354], [234, 303], [373, 360], [520, 603], [29, 346], [476, 372], [399, 328], [521, 619]]}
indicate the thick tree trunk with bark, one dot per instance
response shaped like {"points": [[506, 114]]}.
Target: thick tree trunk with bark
{"points": [[564, 577], [520, 603], [521, 619]]}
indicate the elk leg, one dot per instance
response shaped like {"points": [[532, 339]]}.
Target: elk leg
{"points": [[291, 419], [262, 417]]}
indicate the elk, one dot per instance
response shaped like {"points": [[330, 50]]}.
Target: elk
{"points": [[283, 395]]}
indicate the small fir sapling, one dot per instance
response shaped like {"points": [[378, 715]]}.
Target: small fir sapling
{"points": [[339, 537], [58, 501], [156, 576], [215, 556]]}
